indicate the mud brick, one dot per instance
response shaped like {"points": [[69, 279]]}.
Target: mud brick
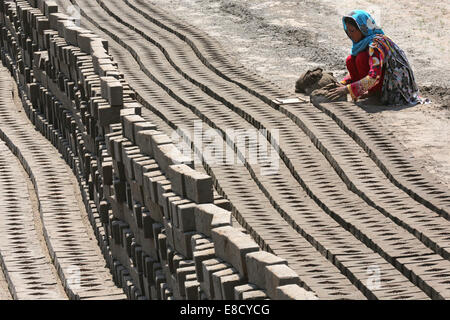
{"points": [[199, 187], [293, 292], [204, 246], [115, 93], [138, 257], [128, 123], [191, 290], [34, 93], [232, 246], [98, 53], [105, 68], [163, 186], [254, 295], [196, 238], [149, 264], [167, 198], [145, 168], [106, 61], [128, 154], [228, 283], [208, 268], [144, 140], [131, 108], [162, 246], [181, 274], [117, 75], [157, 138], [137, 211], [185, 263], [157, 229], [133, 247], [54, 17], [159, 280], [42, 24], [147, 223], [174, 261], [150, 188], [169, 232], [84, 41], [41, 5], [256, 263], [182, 242], [224, 204], [167, 154], [165, 292], [239, 290], [119, 170], [138, 167], [118, 145], [175, 173], [279, 275], [217, 284], [109, 141], [156, 212], [198, 257], [174, 211], [142, 126], [108, 115], [71, 34], [186, 216], [98, 44], [50, 7], [104, 211], [120, 190], [136, 192], [114, 226], [209, 216], [167, 264], [127, 236], [199, 241], [94, 105]]}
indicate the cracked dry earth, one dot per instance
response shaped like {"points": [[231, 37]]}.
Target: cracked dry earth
{"points": [[346, 202]]}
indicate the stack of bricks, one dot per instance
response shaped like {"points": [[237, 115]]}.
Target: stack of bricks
{"points": [[163, 230]]}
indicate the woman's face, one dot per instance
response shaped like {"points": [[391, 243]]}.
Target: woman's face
{"points": [[354, 33]]}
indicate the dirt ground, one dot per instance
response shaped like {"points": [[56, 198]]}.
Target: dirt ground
{"points": [[282, 39]]}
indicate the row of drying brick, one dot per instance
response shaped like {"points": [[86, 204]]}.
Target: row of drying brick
{"points": [[26, 268], [56, 228], [64, 232], [318, 181], [190, 183], [181, 218], [263, 220], [383, 150], [120, 276]]}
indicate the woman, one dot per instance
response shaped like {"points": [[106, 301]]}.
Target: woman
{"points": [[376, 66]]}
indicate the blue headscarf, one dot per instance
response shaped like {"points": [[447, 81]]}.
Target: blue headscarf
{"points": [[367, 26]]}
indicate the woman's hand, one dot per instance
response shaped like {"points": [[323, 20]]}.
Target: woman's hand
{"points": [[338, 92]]}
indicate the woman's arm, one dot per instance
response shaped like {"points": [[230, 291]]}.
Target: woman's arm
{"points": [[358, 88], [347, 79]]}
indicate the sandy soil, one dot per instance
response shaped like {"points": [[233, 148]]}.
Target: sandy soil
{"points": [[282, 39]]}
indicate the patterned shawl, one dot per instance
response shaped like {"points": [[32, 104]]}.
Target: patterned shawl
{"points": [[399, 85]]}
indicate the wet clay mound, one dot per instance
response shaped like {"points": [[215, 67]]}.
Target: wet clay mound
{"points": [[312, 80]]}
